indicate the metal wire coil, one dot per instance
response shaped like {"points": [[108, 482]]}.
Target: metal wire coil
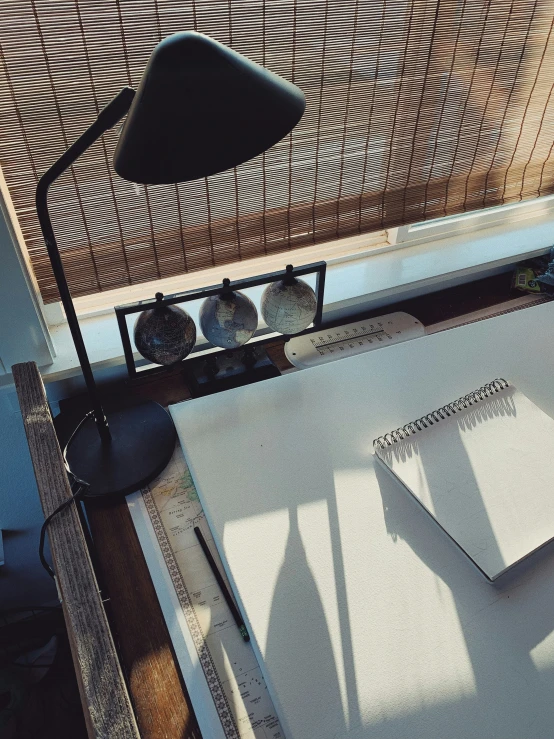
{"points": [[440, 414]]}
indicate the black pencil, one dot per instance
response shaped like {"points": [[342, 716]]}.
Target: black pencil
{"points": [[221, 582]]}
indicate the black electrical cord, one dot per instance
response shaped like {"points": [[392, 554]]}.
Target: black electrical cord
{"points": [[78, 490], [73, 435], [76, 496]]}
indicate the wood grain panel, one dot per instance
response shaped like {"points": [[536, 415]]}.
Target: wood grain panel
{"points": [[160, 699], [106, 704]]}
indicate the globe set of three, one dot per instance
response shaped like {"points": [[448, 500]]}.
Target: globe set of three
{"points": [[166, 334]]}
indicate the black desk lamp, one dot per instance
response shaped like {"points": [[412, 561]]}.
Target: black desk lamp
{"points": [[200, 109]]}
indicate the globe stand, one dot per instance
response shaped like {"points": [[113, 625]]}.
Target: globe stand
{"points": [[196, 374], [228, 369], [249, 357], [142, 443], [211, 366]]}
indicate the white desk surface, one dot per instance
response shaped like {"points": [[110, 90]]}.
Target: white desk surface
{"points": [[369, 622]]}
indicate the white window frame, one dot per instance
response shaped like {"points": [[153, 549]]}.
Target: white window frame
{"points": [[364, 272], [363, 247], [509, 216], [333, 252]]}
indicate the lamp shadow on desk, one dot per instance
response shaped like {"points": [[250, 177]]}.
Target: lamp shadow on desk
{"points": [[295, 596], [308, 610], [500, 624]]}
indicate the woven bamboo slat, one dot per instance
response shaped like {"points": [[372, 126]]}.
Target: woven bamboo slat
{"points": [[415, 109]]}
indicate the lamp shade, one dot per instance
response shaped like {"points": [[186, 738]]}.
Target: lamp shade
{"points": [[202, 108]]}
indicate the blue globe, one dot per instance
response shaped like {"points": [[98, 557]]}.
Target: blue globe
{"points": [[228, 320]]}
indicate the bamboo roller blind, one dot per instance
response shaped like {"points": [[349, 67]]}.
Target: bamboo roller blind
{"points": [[415, 109]]}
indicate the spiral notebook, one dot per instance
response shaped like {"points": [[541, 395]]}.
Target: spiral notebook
{"points": [[483, 468]]}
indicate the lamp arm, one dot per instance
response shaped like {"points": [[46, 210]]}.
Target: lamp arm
{"points": [[107, 118]]}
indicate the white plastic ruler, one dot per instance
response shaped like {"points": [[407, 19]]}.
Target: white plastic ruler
{"points": [[326, 345], [220, 670]]}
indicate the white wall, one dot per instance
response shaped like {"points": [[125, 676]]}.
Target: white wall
{"points": [[23, 581], [22, 338]]}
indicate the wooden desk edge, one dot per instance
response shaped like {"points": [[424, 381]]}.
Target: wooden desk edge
{"points": [[106, 704]]}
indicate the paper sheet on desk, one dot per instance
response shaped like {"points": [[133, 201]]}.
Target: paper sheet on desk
{"points": [[221, 671]]}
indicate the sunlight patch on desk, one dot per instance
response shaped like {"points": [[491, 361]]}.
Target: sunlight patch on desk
{"points": [[542, 655], [410, 651], [267, 532]]}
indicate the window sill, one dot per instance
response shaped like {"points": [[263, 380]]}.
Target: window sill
{"points": [[366, 282]]}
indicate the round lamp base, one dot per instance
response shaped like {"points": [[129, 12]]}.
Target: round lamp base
{"points": [[143, 441]]}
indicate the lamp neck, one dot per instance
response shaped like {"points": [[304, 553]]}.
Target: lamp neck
{"points": [[107, 118]]}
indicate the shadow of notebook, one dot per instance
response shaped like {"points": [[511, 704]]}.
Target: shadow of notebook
{"points": [[482, 468]]}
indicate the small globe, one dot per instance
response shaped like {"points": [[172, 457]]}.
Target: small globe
{"points": [[228, 320], [288, 306], [164, 335]]}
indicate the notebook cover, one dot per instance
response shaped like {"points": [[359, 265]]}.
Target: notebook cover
{"points": [[484, 474]]}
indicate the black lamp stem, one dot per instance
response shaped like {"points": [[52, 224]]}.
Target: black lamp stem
{"points": [[107, 118]]}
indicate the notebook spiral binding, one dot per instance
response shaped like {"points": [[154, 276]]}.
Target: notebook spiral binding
{"points": [[440, 414]]}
